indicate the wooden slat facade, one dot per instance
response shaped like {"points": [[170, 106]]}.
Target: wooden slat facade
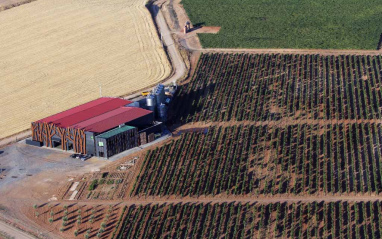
{"points": [[44, 132]]}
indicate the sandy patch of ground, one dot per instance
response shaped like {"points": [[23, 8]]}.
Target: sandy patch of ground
{"points": [[34, 176], [205, 29]]}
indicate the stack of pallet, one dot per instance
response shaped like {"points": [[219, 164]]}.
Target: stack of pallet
{"points": [[151, 137], [143, 138]]}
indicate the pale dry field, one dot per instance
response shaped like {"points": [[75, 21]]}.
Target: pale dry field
{"points": [[54, 54]]}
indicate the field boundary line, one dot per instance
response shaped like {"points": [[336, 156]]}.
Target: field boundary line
{"points": [[10, 6], [15, 138], [324, 52], [261, 199]]}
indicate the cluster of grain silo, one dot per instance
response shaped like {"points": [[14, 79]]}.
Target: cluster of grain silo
{"points": [[155, 102]]}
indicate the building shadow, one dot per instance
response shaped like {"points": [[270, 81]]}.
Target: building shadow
{"points": [[380, 42]]}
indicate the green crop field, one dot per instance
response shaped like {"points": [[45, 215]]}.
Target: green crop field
{"points": [[317, 24]]}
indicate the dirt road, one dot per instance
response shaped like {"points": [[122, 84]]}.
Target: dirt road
{"points": [[178, 66], [14, 232], [260, 199]]}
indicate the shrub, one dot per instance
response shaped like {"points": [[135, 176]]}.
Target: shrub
{"points": [[93, 185]]}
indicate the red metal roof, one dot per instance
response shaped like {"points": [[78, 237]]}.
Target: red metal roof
{"points": [[85, 111], [112, 119]]}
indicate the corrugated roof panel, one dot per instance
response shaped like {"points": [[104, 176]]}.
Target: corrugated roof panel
{"points": [[74, 110], [86, 111], [112, 119]]}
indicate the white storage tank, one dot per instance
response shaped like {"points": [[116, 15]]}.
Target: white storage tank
{"points": [[151, 103], [151, 100]]}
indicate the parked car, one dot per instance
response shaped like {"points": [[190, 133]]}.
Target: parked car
{"points": [[74, 156], [85, 157]]}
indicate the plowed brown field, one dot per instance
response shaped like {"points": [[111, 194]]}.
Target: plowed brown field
{"points": [[54, 54]]}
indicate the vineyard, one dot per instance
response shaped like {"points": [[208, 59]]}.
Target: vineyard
{"points": [[229, 220], [267, 159], [271, 87], [250, 127], [80, 221]]}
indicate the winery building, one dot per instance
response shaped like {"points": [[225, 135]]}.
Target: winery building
{"points": [[102, 127]]}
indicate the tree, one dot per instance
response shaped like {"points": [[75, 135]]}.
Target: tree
{"points": [[103, 225], [51, 213], [76, 233], [62, 229], [87, 234], [50, 220], [35, 206], [37, 214]]}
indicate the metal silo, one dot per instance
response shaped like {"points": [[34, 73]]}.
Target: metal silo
{"points": [[151, 102], [163, 112], [160, 94]]}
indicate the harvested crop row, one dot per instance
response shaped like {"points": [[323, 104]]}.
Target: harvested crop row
{"points": [[55, 54]]}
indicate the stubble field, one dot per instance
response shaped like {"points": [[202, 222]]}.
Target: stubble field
{"points": [[55, 54]]}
